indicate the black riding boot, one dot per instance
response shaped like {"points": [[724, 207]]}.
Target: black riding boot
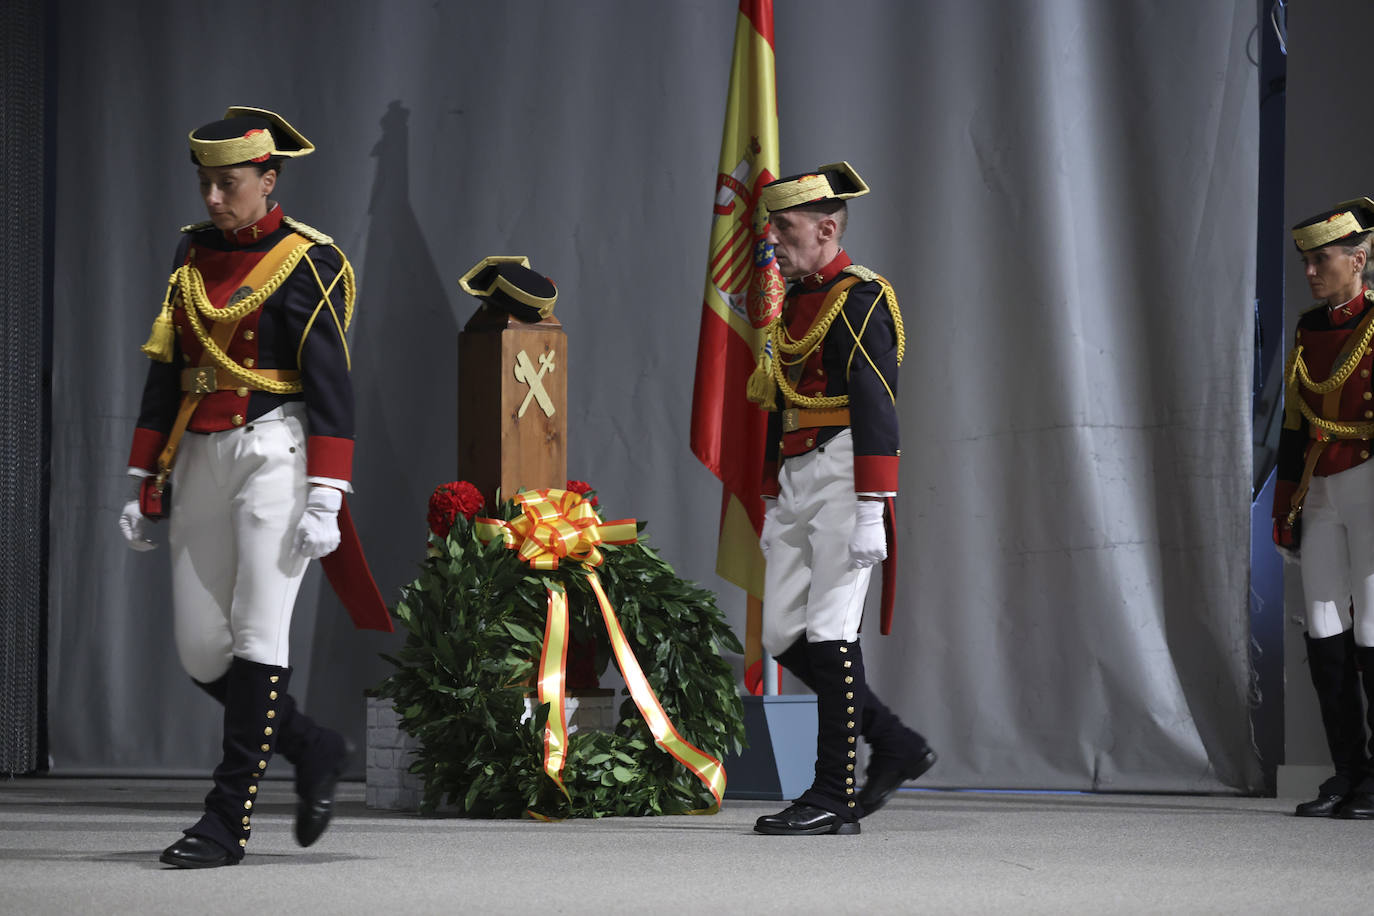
{"points": [[252, 703], [1332, 663], [214, 688], [1360, 805], [831, 805], [319, 755], [897, 753]]}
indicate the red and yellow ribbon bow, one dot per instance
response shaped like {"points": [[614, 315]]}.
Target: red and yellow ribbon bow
{"points": [[554, 525]]}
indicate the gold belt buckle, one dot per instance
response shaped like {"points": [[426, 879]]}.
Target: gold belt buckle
{"points": [[203, 380], [791, 420]]}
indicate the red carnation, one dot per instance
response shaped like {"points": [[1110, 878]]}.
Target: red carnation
{"points": [[585, 490], [450, 499]]}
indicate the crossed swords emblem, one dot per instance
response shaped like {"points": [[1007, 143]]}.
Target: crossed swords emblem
{"points": [[534, 378]]}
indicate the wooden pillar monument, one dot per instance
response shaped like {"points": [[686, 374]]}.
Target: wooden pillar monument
{"points": [[512, 383]]}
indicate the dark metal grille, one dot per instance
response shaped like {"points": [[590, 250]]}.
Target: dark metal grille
{"points": [[22, 406]]}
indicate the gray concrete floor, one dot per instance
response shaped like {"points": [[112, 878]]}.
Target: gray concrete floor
{"points": [[91, 846]]}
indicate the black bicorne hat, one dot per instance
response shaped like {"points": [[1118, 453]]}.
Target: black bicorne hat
{"points": [[837, 181], [507, 283], [1346, 220], [246, 135]]}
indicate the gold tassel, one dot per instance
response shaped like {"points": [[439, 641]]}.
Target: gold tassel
{"points": [[761, 389], [160, 339]]}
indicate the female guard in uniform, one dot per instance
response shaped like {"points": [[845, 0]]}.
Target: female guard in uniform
{"points": [[245, 440], [1324, 499]]}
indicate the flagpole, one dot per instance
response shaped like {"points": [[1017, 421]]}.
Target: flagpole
{"points": [[742, 279]]}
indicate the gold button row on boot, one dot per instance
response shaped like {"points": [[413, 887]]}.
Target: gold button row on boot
{"points": [[262, 764]]}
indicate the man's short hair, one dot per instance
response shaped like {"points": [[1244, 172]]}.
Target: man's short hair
{"points": [[829, 207]]}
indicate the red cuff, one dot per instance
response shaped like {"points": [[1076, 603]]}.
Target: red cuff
{"points": [[875, 473], [770, 479], [1283, 497], [148, 444], [329, 456]]}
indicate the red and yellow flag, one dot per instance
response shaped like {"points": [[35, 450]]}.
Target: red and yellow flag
{"points": [[743, 292]]}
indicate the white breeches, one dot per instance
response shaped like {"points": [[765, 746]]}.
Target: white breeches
{"points": [[809, 588], [236, 499], [1338, 553]]}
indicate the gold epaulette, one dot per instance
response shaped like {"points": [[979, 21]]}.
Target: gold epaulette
{"points": [[863, 273], [196, 227], [310, 232]]}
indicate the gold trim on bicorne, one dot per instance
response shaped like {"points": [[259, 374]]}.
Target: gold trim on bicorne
{"points": [[305, 147], [1336, 226], [804, 190], [256, 144], [812, 187], [466, 286], [543, 305]]}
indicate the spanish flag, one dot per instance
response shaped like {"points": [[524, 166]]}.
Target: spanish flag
{"points": [[744, 291]]}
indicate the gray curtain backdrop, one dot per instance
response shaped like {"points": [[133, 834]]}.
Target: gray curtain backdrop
{"points": [[23, 352], [1064, 191]]}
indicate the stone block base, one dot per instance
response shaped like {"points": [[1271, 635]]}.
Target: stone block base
{"points": [[390, 750]]}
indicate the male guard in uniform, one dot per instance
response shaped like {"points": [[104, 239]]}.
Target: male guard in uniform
{"points": [[829, 374]]}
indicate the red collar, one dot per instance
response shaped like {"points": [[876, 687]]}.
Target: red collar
{"points": [[255, 232], [1345, 311], [827, 273]]}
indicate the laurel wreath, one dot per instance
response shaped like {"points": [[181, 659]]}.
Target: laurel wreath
{"points": [[474, 619]]}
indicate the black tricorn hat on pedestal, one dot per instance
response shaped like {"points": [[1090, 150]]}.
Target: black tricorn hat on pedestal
{"points": [[247, 135], [507, 283], [1345, 221]]}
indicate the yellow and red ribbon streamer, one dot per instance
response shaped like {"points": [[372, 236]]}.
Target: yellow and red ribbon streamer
{"points": [[555, 525]]}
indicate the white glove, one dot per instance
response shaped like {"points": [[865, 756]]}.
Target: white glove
{"points": [[318, 531], [1289, 554], [770, 526], [868, 543], [132, 524]]}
